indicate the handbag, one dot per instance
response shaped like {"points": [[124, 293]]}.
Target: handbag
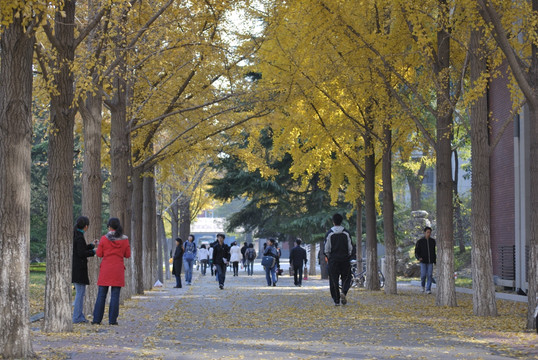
{"points": [[268, 261]]}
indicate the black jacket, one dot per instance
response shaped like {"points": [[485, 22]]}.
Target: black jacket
{"points": [[81, 253], [298, 256], [425, 250], [178, 261], [220, 252]]}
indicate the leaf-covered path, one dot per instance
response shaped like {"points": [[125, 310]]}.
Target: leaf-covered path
{"points": [[249, 320]]}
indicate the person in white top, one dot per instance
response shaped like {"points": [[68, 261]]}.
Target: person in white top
{"points": [[210, 259], [203, 257], [235, 258]]}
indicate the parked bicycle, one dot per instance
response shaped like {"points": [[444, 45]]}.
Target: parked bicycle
{"points": [[358, 279]]}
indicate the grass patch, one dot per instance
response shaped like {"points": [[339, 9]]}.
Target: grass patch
{"points": [[37, 288]]}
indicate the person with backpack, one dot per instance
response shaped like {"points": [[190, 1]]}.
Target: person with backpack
{"points": [[250, 256], [189, 255], [297, 257], [270, 269], [338, 248]]}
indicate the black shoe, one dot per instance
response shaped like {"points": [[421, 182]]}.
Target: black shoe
{"points": [[343, 299], [96, 323], [114, 323], [274, 284], [221, 286]]}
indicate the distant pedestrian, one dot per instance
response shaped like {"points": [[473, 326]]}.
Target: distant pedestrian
{"points": [[243, 258], [113, 248], [79, 277], [210, 259], [270, 271], [221, 258], [425, 253], [250, 255], [203, 258], [297, 261], [189, 255], [235, 257], [338, 248], [178, 262]]}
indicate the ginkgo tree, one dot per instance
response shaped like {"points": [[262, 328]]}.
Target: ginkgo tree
{"points": [[18, 22]]}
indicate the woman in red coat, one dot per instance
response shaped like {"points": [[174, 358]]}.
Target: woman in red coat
{"points": [[113, 248]]}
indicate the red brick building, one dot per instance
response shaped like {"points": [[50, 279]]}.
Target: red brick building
{"points": [[509, 174]]}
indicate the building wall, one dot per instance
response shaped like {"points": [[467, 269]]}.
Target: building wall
{"points": [[501, 171]]}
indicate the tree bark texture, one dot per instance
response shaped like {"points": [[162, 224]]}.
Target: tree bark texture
{"points": [[459, 233], [415, 187], [136, 233], [484, 303], [388, 215], [358, 225], [58, 314], [372, 278], [446, 290], [148, 231], [184, 217], [312, 261], [15, 162], [91, 113]]}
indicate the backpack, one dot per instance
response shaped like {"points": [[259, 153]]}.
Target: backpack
{"points": [[189, 251], [250, 254]]}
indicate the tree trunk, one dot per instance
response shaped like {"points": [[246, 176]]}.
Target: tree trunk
{"points": [[184, 217], [91, 186], [372, 278], [358, 224], [457, 206], [15, 162], [323, 267], [164, 252], [148, 231], [312, 261], [532, 275], [415, 187], [58, 314], [482, 268], [136, 233], [388, 216], [446, 290]]}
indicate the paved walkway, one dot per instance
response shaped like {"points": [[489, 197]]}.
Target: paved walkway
{"points": [[249, 320]]}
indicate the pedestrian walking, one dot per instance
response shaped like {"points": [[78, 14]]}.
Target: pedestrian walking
{"points": [[338, 250], [203, 258], [177, 263], [243, 258], [235, 257], [210, 259], [189, 255], [426, 255], [221, 258], [250, 255], [113, 248], [270, 269], [297, 261], [79, 277]]}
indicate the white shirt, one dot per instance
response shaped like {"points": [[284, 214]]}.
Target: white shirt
{"points": [[235, 253]]}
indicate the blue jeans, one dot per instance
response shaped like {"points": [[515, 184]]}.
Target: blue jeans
{"points": [[426, 273], [250, 267], [221, 273], [114, 306], [270, 274], [78, 315], [188, 264]]}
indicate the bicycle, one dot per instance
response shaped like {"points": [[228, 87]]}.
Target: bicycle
{"points": [[358, 279]]}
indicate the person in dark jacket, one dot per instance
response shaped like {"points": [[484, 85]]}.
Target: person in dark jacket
{"points": [[297, 261], [425, 254], [79, 277], [338, 248], [270, 272], [221, 258], [178, 262]]}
